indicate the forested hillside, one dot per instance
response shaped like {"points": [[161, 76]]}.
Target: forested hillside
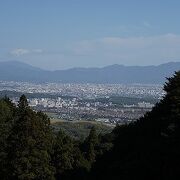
{"points": [[30, 148], [150, 147]]}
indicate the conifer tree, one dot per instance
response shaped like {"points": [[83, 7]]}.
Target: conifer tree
{"points": [[68, 159], [6, 122], [30, 143], [89, 145], [150, 147], [63, 154]]}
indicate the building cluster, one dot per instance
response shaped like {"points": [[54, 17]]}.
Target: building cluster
{"points": [[80, 101], [85, 90], [76, 109], [53, 103]]}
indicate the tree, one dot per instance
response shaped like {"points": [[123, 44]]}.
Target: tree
{"points": [[63, 154], [90, 144], [150, 147], [23, 103], [68, 159], [6, 122], [29, 145]]}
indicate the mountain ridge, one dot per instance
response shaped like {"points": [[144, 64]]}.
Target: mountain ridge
{"points": [[19, 71]]}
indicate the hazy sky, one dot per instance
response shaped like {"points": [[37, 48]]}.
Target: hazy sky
{"points": [[59, 34]]}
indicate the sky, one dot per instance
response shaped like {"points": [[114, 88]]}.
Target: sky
{"points": [[61, 34]]}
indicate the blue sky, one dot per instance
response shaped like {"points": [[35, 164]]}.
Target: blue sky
{"points": [[60, 34]]}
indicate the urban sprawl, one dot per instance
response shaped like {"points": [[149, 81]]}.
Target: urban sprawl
{"points": [[107, 103]]}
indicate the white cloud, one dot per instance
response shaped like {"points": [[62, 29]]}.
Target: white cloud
{"points": [[142, 50], [131, 50], [21, 51]]}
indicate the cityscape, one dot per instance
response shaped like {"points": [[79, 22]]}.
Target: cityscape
{"points": [[106, 103], [86, 90]]}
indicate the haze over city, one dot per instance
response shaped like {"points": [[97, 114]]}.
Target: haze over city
{"points": [[63, 34]]}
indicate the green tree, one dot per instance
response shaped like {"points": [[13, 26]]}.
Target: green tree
{"points": [[150, 147], [90, 144], [6, 122], [23, 103], [68, 159], [30, 144], [63, 154]]}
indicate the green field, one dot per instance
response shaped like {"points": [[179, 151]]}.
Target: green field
{"points": [[78, 129]]}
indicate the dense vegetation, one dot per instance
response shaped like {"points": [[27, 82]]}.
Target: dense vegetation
{"points": [[30, 148], [146, 149], [150, 147]]}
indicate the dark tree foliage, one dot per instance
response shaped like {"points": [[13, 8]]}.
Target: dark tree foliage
{"points": [[63, 154], [90, 144], [150, 147], [30, 150], [29, 145], [23, 103], [68, 159], [6, 122]]}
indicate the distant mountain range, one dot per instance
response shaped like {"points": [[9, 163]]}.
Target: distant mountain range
{"points": [[18, 71]]}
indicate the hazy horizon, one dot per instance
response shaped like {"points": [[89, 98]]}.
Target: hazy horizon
{"points": [[88, 67], [65, 34]]}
